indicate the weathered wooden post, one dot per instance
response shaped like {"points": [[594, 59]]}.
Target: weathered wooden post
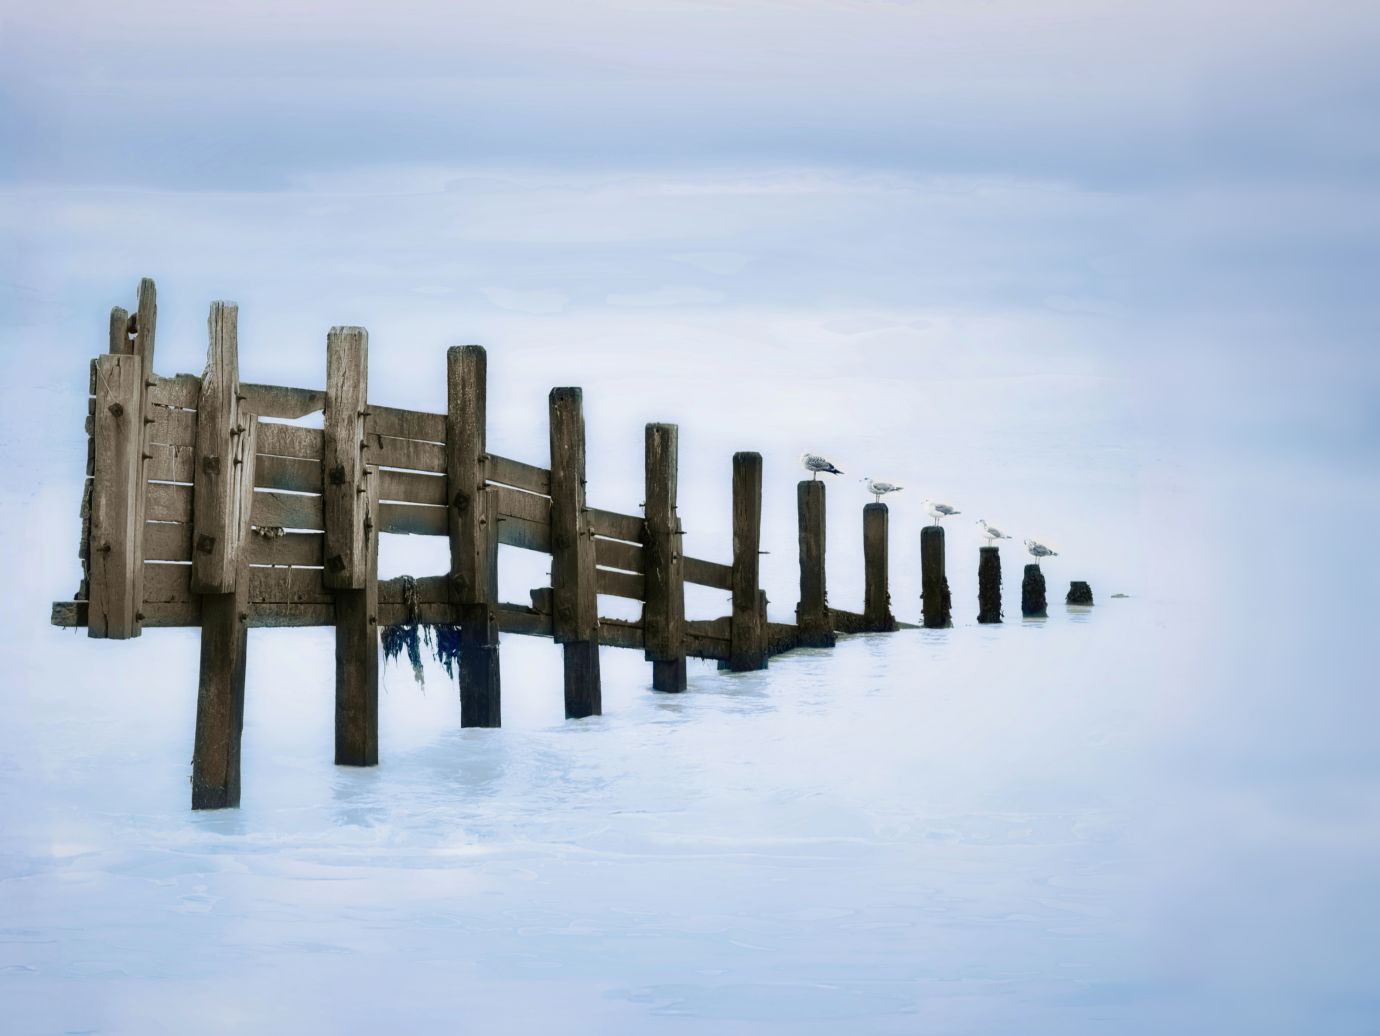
{"points": [[989, 585], [663, 614], [349, 547], [876, 595], [575, 616], [1033, 593], [812, 613], [748, 623], [222, 500], [473, 532], [933, 582], [1080, 593]]}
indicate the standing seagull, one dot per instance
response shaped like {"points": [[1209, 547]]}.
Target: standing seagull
{"points": [[880, 489], [992, 532], [814, 464], [1039, 550], [938, 511]]}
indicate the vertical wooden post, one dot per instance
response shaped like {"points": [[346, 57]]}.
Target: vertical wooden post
{"points": [[1080, 593], [473, 536], [357, 650], [575, 616], [224, 643], [812, 613], [989, 585], [1033, 593], [344, 492], [748, 624], [215, 529], [663, 614], [876, 595], [933, 582], [116, 514]]}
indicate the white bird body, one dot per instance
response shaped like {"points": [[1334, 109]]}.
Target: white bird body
{"points": [[992, 532], [814, 463], [938, 510], [879, 489], [1039, 550]]}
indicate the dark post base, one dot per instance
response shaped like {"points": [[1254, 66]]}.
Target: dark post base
{"points": [[1033, 593], [989, 585], [1079, 593]]}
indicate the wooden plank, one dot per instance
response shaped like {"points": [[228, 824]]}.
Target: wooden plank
{"points": [[168, 502], [412, 487], [529, 507], [287, 440], [293, 474], [812, 613], [220, 698], [407, 424], [290, 548], [277, 401], [876, 594], [617, 554], [619, 584], [517, 532], [174, 427], [412, 519], [116, 519], [516, 473], [663, 617], [357, 652], [273, 510], [412, 454], [216, 558], [749, 628], [167, 463], [575, 615], [167, 541], [345, 503], [709, 573], [615, 526], [525, 621], [181, 391]]}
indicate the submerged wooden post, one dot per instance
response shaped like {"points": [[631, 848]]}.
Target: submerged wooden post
{"points": [[876, 595], [222, 501], [748, 624], [349, 547], [473, 536], [663, 614], [1079, 593], [1033, 593], [812, 613], [575, 616], [989, 585], [933, 582]]}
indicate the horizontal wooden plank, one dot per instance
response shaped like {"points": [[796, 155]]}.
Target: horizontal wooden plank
{"points": [[176, 427], [412, 454], [289, 440], [413, 519], [428, 590], [620, 633], [286, 511], [277, 401], [167, 541], [406, 424], [529, 507], [181, 391], [168, 584], [291, 548], [513, 618], [619, 584], [517, 532], [516, 473], [618, 554], [710, 629], [168, 463], [615, 526], [708, 573], [291, 473], [165, 502], [413, 487]]}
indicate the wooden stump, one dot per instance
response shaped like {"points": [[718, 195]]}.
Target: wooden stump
{"points": [[748, 622], [935, 602], [989, 585], [1033, 593], [815, 628], [1079, 593], [876, 595]]}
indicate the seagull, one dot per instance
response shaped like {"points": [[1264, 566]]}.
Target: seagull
{"points": [[814, 464], [1039, 550], [992, 532], [879, 489], [938, 511]]}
